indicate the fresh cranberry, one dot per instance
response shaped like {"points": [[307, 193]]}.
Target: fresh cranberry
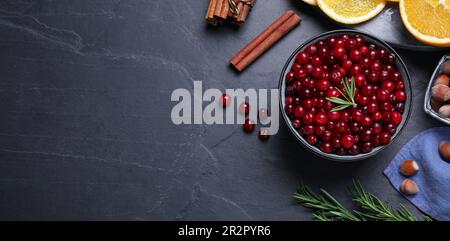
{"points": [[396, 76], [365, 63], [389, 86], [377, 116], [382, 53], [390, 59], [302, 58], [347, 64], [356, 69], [359, 41], [296, 123], [330, 125], [387, 116], [400, 107], [396, 118], [366, 147], [334, 115], [362, 100], [350, 44], [400, 85], [353, 150], [289, 77], [336, 143], [384, 75], [300, 73], [326, 147], [348, 141], [264, 134], [308, 130], [341, 127], [244, 108], [377, 128], [372, 107], [299, 112], [364, 50], [316, 61], [311, 139], [373, 55], [360, 80], [400, 96], [327, 135], [345, 116], [333, 93], [289, 109], [376, 66], [249, 126], [340, 43], [366, 121], [355, 127], [308, 118], [225, 100], [341, 151], [357, 115], [339, 52], [317, 72], [373, 76], [308, 103], [355, 55], [382, 95], [391, 128], [336, 76], [323, 85], [331, 42], [311, 50], [321, 118]]}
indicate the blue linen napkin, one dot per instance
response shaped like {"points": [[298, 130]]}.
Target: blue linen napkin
{"points": [[433, 177]]}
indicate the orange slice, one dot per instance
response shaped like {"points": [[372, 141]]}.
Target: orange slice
{"points": [[351, 11]]}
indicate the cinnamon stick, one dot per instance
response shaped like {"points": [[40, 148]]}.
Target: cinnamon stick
{"points": [[222, 9], [244, 8], [265, 40], [210, 13]]}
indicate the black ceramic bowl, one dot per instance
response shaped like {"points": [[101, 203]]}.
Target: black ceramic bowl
{"points": [[401, 68]]}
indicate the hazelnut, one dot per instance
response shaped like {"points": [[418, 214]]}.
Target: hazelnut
{"points": [[442, 80], [444, 149], [435, 105], [441, 92], [409, 187], [409, 168], [444, 111]]}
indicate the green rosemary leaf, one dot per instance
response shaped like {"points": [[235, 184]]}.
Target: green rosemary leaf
{"points": [[352, 89], [340, 107], [339, 101]]}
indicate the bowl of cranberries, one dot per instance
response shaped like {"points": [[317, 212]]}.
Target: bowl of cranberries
{"points": [[345, 95]]}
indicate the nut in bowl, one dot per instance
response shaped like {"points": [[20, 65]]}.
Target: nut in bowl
{"points": [[437, 97], [345, 95]]}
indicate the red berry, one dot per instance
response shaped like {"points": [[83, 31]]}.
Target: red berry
{"points": [[317, 72], [339, 52], [321, 118], [345, 116], [333, 93], [382, 95], [366, 147], [264, 134], [323, 85], [302, 58], [296, 123], [312, 139], [308, 118], [326, 147], [334, 115], [385, 138], [360, 80], [308, 130], [357, 115], [319, 130], [244, 108], [400, 96], [299, 112], [249, 126], [316, 61], [353, 150], [311, 49], [366, 121], [377, 128], [348, 141], [355, 55], [327, 135], [396, 118], [364, 50], [389, 86], [377, 116], [347, 64], [225, 100]]}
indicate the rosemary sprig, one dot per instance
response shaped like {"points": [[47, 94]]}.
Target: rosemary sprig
{"points": [[327, 208], [349, 95]]}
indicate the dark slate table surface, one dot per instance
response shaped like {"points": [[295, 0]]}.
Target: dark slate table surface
{"points": [[85, 129]]}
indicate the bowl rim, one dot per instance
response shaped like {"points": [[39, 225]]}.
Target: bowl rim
{"points": [[316, 150], [427, 105]]}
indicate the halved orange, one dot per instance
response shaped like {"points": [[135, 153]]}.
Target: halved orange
{"points": [[351, 11], [427, 20]]}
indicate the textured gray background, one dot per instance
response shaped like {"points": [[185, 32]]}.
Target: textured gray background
{"points": [[85, 130]]}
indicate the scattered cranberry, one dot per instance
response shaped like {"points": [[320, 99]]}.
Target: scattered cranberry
{"points": [[244, 108], [249, 126], [225, 100], [264, 134]]}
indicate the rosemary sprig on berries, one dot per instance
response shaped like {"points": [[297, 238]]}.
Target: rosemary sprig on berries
{"points": [[327, 208], [348, 97]]}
